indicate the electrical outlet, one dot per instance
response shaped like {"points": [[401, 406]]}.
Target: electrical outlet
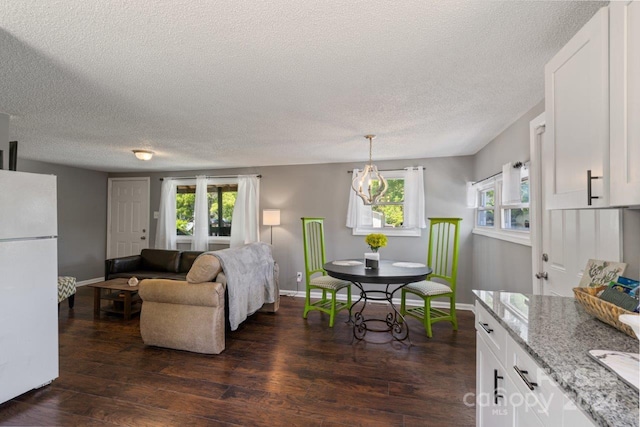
{"points": [[299, 277]]}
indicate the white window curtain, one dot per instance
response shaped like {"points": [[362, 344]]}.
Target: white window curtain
{"points": [[472, 195], [510, 184], [246, 219], [414, 209], [166, 228], [200, 240]]}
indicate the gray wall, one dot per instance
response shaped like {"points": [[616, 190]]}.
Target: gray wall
{"points": [[82, 218], [498, 264], [4, 139], [323, 190]]}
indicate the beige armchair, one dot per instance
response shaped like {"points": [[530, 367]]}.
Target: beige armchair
{"points": [[188, 316], [184, 316]]}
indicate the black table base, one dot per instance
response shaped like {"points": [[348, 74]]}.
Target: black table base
{"points": [[387, 274], [394, 322]]}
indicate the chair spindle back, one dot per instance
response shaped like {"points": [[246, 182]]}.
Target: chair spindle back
{"points": [[314, 252], [442, 255]]}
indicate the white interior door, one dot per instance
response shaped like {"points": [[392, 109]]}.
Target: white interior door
{"points": [[128, 218], [564, 240]]}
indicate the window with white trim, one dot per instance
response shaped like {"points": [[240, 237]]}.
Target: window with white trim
{"points": [[221, 198], [515, 216], [387, 216], [493, 218]]}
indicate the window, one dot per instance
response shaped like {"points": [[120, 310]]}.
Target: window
{"points": [[503, 221], [516, 216], [221, 199], [389, 211], [486, 207], [387, 216]]}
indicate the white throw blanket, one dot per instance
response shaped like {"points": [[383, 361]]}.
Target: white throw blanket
{"points": [[250, 279]]}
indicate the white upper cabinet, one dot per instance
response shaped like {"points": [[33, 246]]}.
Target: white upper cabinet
{"points": [[625, 103], [577, 111]]}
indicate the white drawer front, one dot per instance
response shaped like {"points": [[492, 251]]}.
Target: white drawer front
{"points": [[539, 392], [493, 332]]}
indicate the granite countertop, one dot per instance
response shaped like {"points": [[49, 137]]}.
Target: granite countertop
{"points": [[558, 333]]}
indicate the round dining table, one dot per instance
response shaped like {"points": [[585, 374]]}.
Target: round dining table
{"points": [[395, 275]]}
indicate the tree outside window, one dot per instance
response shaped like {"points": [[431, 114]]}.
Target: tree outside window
{"points": [[389, 211], [221, 200], [486, 208]]}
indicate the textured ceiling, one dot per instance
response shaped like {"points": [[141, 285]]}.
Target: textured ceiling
{"points": [[214, 84]]}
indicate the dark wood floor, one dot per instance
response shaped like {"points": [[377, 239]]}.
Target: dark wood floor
{"points": [[276, 370]]}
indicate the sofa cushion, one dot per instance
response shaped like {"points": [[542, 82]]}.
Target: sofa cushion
{"points": [[186, 260], [204, 269], [160, 260]]}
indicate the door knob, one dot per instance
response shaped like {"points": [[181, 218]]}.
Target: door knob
{"points": [[544, 275], [143, 238]]}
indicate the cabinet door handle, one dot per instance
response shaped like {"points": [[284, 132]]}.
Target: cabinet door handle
{"points": [[589, 179], [526, 380], [496, 377], [486, 327]]}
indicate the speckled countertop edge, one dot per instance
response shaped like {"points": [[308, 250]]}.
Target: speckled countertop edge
{"points": [[557, 322]]}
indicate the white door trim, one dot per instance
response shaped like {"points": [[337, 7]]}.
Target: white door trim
{"points": [[536, 202], [109, 189]]}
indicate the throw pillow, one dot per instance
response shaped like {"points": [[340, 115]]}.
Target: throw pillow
{"points": [[204, 269]]}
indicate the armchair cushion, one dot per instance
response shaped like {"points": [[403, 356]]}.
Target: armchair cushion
{"points": [[205, 269]]}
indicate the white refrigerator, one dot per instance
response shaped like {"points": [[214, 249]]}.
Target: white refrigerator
{"points": [[28, 282]]}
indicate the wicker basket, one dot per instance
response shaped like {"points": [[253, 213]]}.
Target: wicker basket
{"points": [[601, 309]]}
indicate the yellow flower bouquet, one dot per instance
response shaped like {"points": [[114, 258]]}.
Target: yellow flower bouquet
{"points": [[376, 241]]}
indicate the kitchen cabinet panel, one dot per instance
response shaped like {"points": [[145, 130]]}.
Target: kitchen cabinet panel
{"points": [[495, 335], [491, 402], [625, 103], [577, 111]]}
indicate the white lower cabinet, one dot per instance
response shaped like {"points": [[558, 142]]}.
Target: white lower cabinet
{"points": [[491, 404], [512, 389], [523, 411]]}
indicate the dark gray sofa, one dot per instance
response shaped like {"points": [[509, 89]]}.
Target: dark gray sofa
{"points": [[152, 264]]}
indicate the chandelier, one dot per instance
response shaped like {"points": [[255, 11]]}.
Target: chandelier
{"points": [[362, 183]]}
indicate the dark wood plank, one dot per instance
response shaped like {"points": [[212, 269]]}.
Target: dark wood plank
{"points": [[277, 369]]}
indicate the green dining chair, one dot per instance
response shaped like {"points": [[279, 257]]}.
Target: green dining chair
{"points": [[314, 259], [442, 257]]}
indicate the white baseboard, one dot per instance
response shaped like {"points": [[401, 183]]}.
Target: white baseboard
{"points": [[90, 281], [396, 301]]}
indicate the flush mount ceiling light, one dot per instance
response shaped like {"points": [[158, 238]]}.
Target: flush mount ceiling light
{"points": [[143, 154], [362, 184]]}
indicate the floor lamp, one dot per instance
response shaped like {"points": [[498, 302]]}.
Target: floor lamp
{"points": [[271, 217]]}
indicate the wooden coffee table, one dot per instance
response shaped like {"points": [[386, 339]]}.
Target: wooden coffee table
{"points": [[123, 299]]}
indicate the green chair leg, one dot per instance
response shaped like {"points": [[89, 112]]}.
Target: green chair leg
{"points": [[332, 314], [452, 312], [427, 317]]}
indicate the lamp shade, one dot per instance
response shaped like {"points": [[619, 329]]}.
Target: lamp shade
{"points": [[271, 217]]}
